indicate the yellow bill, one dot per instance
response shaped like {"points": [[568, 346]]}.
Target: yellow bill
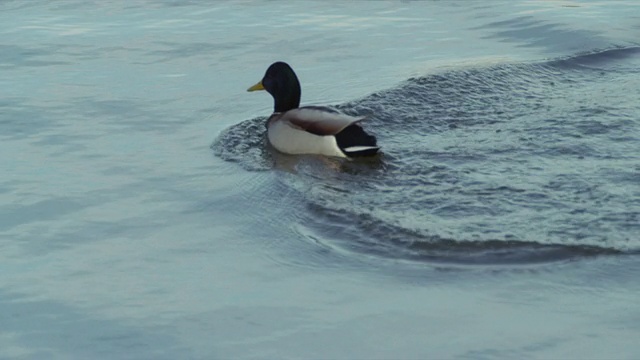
{"points": [[256, 87]]}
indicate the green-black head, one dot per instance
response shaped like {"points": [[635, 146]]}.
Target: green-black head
{"points": [[282, 83]]}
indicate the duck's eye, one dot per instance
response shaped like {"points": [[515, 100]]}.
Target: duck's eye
{"points": [[267, 82]]}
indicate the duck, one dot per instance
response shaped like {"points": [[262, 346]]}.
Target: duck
{"points": [[319, 130]]}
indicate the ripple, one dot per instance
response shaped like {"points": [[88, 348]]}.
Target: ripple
{"points": [[508, 164]]}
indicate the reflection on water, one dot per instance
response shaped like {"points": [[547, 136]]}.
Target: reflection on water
{"points": [[510, 163]]}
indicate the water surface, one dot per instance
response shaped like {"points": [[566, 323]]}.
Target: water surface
{"points": [[142, 214]]}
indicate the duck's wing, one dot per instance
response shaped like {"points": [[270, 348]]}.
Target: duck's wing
{"points": [[319, 120]]}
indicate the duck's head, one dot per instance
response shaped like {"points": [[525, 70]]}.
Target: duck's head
{"points": [[282, 83]]}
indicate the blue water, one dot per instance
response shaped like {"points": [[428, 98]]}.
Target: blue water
{"points": [[143, 215]]}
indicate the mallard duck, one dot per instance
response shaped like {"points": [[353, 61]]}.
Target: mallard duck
{"points": [[309, 129]]}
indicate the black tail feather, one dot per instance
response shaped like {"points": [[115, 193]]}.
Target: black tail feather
{"points": [[354, 136]]}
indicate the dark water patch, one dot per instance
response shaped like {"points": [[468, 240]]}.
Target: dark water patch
{"points": [[364, 233], [18, 56], [77, 334], [513, 163], [177, 50], [20, 118], [14, 214], [51, 121], [8, 5], [135, 114], [534, 31], [598, 59]]}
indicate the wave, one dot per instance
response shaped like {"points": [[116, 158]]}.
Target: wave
{"points": [[513, 163]]}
